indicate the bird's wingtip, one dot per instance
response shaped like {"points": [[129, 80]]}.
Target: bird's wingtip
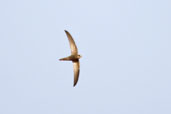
{"points": [[74, 84]]}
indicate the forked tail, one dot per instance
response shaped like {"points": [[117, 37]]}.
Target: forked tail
{"points": [[65, 59]]}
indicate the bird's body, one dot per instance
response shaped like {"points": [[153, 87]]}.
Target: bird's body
{"points": [[74, 57]]}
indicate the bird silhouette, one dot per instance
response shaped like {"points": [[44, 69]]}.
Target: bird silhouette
{"points": [[74, 57]]}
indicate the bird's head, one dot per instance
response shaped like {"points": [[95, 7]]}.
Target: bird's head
{"points": [[79, 56]]}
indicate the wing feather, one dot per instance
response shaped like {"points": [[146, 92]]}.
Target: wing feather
{"points": [[73, 46], [76, 65]]}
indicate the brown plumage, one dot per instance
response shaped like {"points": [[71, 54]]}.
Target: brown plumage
{"points": [[74, 57]]}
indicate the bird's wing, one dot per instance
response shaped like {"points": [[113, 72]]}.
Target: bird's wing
{"points": [[76, 71], [73, 46]]}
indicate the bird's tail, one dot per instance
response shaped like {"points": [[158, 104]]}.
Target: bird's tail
{"points": [[65, 59]]}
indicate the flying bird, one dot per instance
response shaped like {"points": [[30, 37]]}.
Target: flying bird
{"points": [[74, 57]]}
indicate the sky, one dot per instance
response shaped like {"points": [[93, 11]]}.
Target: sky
{"points": [[125, 66]]}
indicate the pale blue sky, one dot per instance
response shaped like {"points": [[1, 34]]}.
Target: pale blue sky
{"points": [[126, 63]]}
